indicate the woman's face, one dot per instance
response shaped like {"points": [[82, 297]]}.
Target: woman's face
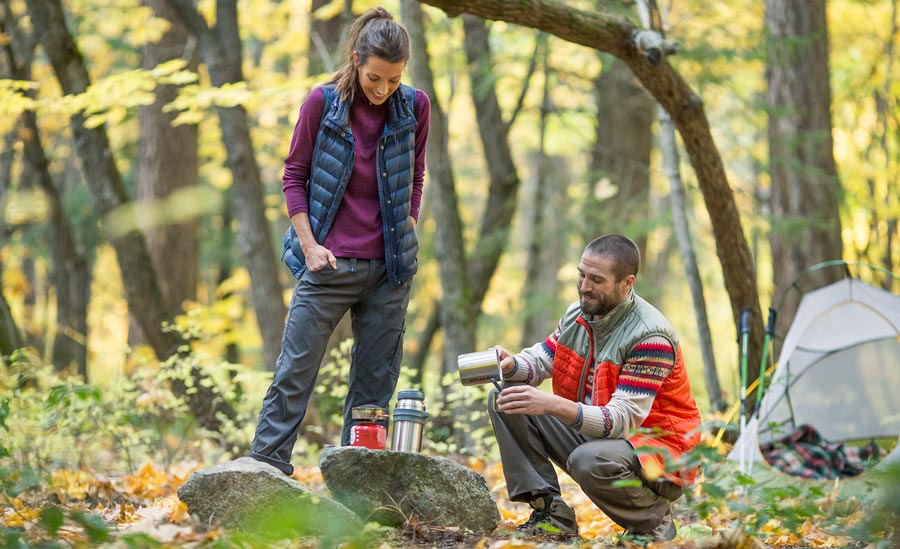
{"points": [[378, 78]]}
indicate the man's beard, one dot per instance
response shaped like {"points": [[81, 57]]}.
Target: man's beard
{"points": [[601, 306]]}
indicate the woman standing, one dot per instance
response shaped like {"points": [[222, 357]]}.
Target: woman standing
{"points": [[353, 186]]}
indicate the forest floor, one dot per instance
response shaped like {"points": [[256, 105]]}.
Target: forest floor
{"points": [[143, 510]]}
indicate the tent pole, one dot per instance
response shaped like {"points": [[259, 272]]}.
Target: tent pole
{"points": [[763, 365], [761, 382], [744, 337]]}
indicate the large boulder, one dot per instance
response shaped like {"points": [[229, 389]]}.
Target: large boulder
{"points": [[249, 495], [393, 487]]}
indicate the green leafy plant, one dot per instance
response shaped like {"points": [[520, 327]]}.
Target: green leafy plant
{"points": [[767, 499]]}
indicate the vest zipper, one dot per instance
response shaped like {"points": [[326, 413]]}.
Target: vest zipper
{"points": [[587, 361], [384, 194]]}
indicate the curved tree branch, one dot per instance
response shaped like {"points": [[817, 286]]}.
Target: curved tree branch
{"points": [[615, 35]]}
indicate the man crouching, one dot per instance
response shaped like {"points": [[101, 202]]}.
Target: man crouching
{"points": [[616, 366]]}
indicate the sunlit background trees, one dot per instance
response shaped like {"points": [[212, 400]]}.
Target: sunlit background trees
{"points": [[140, 182]]}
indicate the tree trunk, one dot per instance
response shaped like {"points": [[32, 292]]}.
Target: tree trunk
{"points": [[504, 177], [620, 159], [10, 338], [139, 279], [678, 199], [141, 287], [504, 183], [220, 50], [10, 335], [616, 35], [651, 19], [539, 294], [884, 214], [534, 295], [806, 227], [456, 302], [7, 157], [167, 162], [658, 271], [71, 272], [545, 258], [325, 36], [225, 269]]}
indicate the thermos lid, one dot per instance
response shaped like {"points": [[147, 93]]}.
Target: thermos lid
{"points": [[410, 394]]}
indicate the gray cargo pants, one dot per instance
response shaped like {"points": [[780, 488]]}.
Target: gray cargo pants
{"points": [[529, 445], [378, 314]]}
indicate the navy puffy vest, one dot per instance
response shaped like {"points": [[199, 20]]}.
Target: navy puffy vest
{"points": [[332, 164]]}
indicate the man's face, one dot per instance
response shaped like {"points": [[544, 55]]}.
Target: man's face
{"points": [[598, 288]]}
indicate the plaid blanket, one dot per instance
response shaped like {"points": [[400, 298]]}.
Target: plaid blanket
{"points": [[806, 454]]}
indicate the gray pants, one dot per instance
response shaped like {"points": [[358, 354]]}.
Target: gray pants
{"points": [[529, 445], [378, 313]]}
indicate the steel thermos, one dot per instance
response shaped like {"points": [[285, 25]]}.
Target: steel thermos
{"points": [[409, 420], [367, 433]]}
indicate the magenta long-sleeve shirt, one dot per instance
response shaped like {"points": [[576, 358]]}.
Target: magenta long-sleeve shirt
{"points": [[357, 228]]}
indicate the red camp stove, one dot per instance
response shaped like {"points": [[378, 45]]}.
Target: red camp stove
{"points": [[367, 433]]}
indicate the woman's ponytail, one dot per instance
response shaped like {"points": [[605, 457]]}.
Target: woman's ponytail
{"points": [[373, 33]]}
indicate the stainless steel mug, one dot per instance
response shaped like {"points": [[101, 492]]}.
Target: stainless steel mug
{"points": [[409, 421], [479, 367]]}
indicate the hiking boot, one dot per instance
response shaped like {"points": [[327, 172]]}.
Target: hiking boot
{"points": [[664, 531], [551, 515]]}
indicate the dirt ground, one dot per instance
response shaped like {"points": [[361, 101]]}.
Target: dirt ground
{"points": [[420, 537]]}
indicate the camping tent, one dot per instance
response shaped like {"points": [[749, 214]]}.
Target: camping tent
{"points": [[839, 370]]}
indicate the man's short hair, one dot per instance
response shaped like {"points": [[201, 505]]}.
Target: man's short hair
{"points": [[624, 252]]}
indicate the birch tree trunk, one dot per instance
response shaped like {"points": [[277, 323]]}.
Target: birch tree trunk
{"points": [[652, 20], [679, 203]]}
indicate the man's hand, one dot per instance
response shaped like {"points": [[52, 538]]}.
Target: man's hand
{"points": [[507, 363], [525, 399]]}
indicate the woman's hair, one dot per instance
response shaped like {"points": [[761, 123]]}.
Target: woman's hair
{"points": [[372, 33]]}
